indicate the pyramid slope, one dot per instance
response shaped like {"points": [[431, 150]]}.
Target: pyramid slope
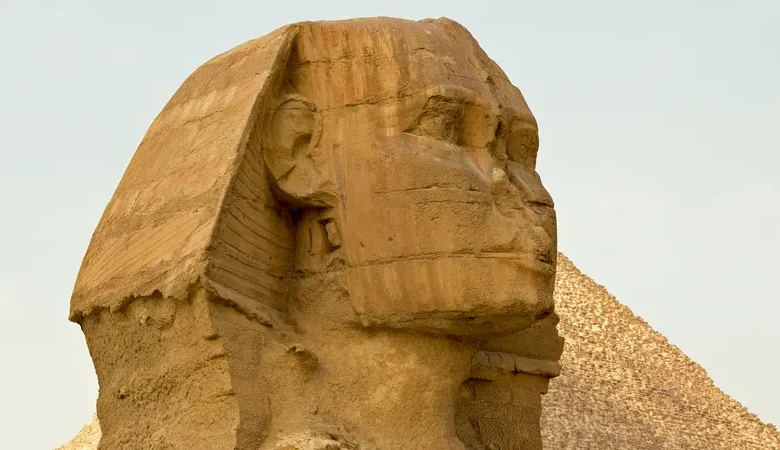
{"points": [[624, 386], [87, 438]]}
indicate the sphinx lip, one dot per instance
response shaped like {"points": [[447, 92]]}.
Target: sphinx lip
{"points": [[529, 261], [536, 262], [544, 258]]}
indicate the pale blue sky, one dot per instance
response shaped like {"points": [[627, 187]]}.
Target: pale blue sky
{"points": [[660, 145]]}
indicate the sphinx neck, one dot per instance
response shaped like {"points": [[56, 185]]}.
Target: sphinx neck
{"points": [[392, 388]]}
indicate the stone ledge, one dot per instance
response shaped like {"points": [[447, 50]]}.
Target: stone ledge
{"points": [[485, 365]]}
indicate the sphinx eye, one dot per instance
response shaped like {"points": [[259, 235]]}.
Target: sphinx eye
{"points": [[441, 119], [522, 144]]}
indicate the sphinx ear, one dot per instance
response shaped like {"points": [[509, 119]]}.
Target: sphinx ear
{"points": [[299, 171]]}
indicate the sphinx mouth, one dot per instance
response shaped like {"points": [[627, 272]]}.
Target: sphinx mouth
{"points": [[536, 262], [544, 258]]}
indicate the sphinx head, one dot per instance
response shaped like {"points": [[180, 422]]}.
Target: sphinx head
{"points": [[408, 161], [375, 173]]}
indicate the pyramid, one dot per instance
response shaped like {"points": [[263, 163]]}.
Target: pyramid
{"points": [[623, 386]]}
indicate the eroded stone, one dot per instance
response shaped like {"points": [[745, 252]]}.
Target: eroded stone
{"points": [[315, 237]]}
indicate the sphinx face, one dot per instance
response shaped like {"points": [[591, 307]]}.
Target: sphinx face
{"points": [[443, 222]]}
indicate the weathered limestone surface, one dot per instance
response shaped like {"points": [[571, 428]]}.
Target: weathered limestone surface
{"points": [[623, 385], [333, 236]]}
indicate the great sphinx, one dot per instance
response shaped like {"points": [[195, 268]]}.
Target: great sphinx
{"points": [[333, 236]]}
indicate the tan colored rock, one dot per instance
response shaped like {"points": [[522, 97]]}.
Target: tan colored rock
{"points": [[312, 242], [623, 385]]}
